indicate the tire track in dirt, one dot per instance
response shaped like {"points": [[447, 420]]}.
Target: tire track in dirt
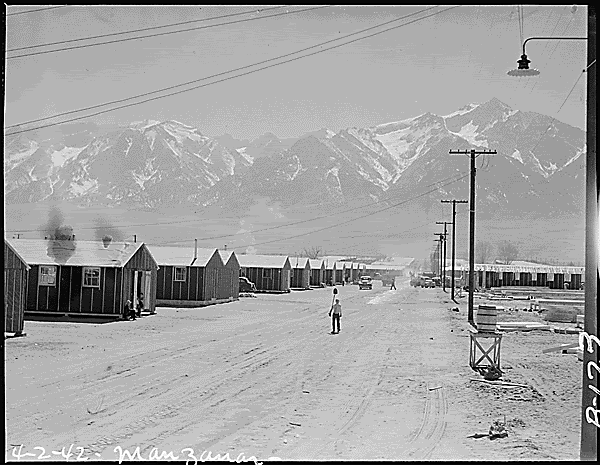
{"points": [[292, 375], [211, 387], [355, 404], [126, 397], [159, 355], [433, 425], [279, 355]]}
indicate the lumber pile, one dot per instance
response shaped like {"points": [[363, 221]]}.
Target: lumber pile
{"points": [[522, 326], [561, 313]]}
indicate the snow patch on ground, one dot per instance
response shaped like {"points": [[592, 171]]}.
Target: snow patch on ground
{"points": [[384, 173], [463, 111], [298, 168], [364, 139], [83, 187], [402, 121], [151, 136], [174, 149], [469, 133], [517, 156], [395, 143], [243, 153], [229, 161], [140, 178], [141, 125], [577, 155]]}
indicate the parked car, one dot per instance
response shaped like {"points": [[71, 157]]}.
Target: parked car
{"points": [[428, 283], [365, 282], [417, 281], [246, 285]]}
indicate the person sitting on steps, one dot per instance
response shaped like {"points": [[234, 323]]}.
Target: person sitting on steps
{"points": [[140, 304], [129, 311]]}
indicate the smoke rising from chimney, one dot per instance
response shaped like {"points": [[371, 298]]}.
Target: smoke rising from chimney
{"points": [[60, 237], [105, 230]]}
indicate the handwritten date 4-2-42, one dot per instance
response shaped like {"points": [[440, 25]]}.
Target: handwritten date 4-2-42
{"points": [[75, 453]]}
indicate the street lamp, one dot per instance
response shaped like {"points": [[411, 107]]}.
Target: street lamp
{"points": [[523, 69], [589, 400]]}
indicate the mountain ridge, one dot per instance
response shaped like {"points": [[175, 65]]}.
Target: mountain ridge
{"points": [[152, 164]]}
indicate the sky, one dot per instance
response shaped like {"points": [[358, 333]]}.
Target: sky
{"points": [[436, 65]]}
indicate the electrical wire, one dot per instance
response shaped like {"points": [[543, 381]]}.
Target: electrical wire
{"points": [[227, 72], [208, 77], [130, 225], [35, 11], [164, 33], [144, 29], [351, 220], [326, 216], [554, 50], [311, 219], [562, 105], [547, 44]]}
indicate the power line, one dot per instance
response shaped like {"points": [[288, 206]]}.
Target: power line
{"points": [[562, 105], [35, 11], [307, 220], [164, 33], [311, 219], [554, 50], [232, 77], [395, 233], [143, 29], [226, 235], [207, 77], [353, 219]]}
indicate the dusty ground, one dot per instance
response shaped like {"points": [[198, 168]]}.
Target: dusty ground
{"points": [[263, 377]]}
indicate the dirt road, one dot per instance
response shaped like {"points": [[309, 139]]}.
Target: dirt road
{"points": [[260, 377]]}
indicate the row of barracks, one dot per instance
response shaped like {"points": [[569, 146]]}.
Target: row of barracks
{"points": [[521, 273], [69, 278]]}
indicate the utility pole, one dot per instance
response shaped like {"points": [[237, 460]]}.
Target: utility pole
{"points": [[473, 154], [589, 399], [454, 202], [445, 223], [437, 259], [440, 253]]}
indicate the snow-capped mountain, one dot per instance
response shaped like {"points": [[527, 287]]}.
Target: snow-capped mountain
{"points": [[149, 163], [539, 163]]}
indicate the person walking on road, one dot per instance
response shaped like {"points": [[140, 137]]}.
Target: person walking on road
{"points": [[335, 313], [393, 286]]}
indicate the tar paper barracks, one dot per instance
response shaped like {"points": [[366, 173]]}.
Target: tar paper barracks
{"points": [[68, 277]]}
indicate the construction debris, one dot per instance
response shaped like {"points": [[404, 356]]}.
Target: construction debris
{"points": [[498, 429], [561, 347], [493, 373], [500, 383], [522, 326]]}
